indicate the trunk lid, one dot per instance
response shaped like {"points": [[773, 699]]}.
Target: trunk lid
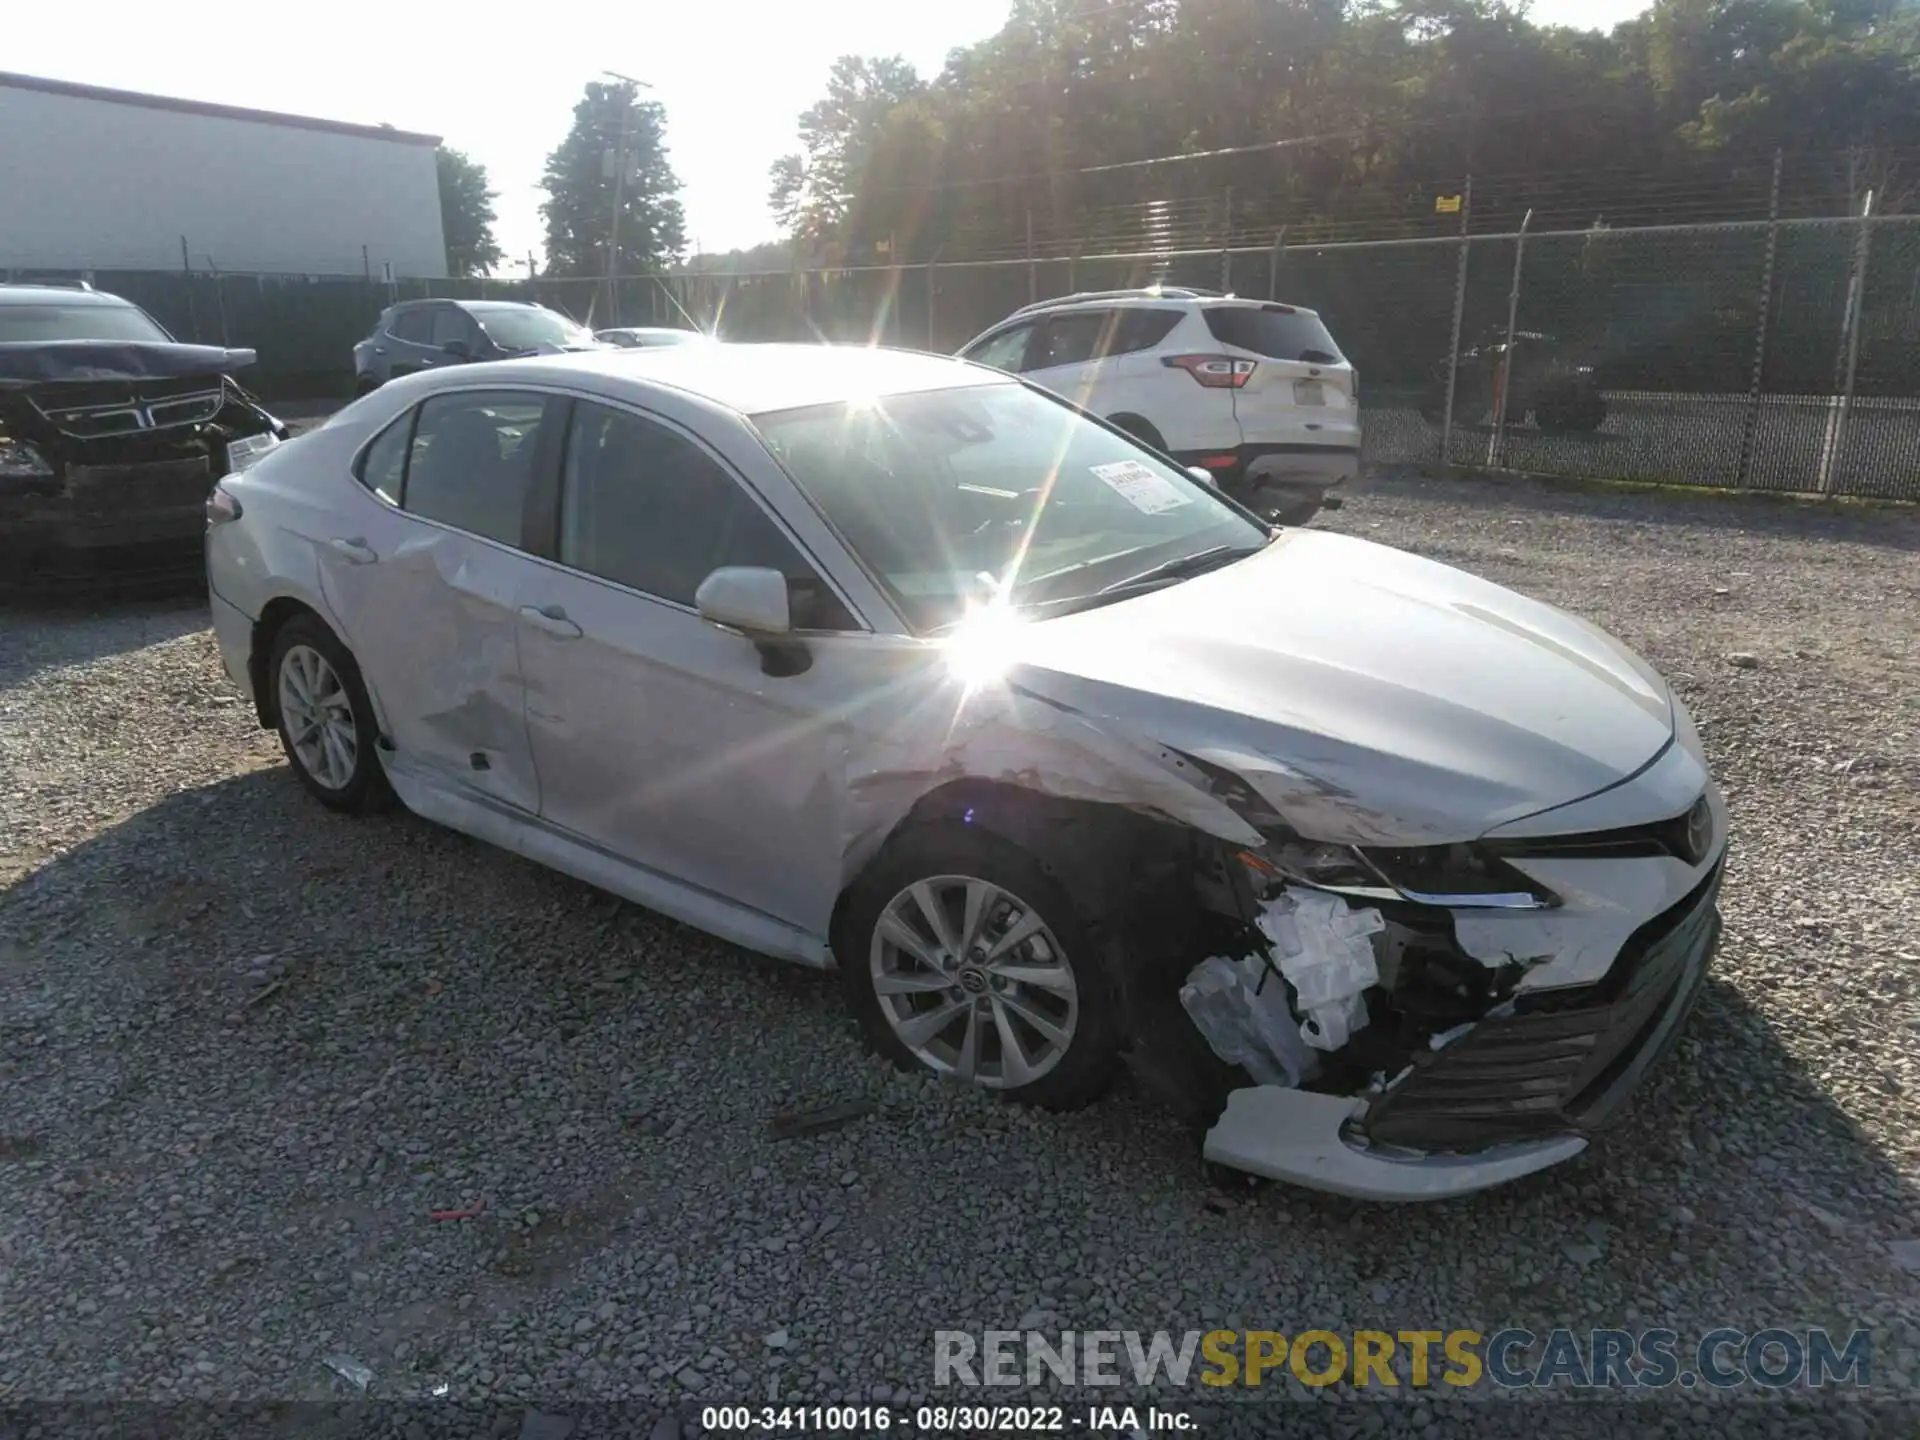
{"points": [[1302, 390]]}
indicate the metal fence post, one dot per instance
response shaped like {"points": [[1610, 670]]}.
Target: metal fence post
{"points": [[219, 299], [1226, 241], [1273, 264], [193, 312], [1496, 445], [1459, 313], [1743, 474], [933, 270], [1033, 273], [1856, 302]]}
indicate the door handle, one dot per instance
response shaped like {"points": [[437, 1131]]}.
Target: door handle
{"points": [[356, 551], [552, 619]]}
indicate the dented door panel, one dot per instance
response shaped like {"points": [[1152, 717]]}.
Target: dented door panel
{"points": [[431, 619]]}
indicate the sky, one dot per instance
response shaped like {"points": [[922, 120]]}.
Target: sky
{"points": [[733, 77]]}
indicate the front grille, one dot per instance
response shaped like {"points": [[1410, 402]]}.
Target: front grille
{"points": [[1563, 1060], [109, 491], [124, 410]]}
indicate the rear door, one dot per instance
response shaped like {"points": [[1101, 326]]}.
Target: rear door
{"points": [[425, 575], [1301, 390], [410, 341]]}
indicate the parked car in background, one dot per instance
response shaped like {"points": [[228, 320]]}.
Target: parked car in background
{"points": [[1256, 393], [868, 658], [650, 337], [1546, 383], [417, 335], [112, 434]]}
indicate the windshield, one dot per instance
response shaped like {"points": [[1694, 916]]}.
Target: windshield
{"points": [[30, 323], [518, 329], [953, 496]]}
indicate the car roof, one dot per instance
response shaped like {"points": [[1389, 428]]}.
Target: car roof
{"points": [[467, 304], [58, 295], [753, 379], [1171, 295]]}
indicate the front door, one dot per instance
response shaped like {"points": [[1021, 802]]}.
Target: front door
{"points": [[657, 735], [426, 581]]}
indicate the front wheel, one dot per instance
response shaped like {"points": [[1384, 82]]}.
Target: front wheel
{"points": [[325, 717], [961, 955]]}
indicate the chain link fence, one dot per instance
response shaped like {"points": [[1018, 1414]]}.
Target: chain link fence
{"points": [[1779, 354]]}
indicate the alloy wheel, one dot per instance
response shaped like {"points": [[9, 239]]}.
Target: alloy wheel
{"points": [[973, 982], [318, 715]]}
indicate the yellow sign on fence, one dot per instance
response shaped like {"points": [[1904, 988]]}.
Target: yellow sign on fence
{"points": [[1446, 204]]}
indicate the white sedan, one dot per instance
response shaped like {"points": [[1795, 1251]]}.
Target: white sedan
{"points": [[898, 665]]}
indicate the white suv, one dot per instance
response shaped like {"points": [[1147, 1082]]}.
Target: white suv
{"points": [[1256, 393]]}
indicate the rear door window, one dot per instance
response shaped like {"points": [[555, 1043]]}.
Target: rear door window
{"points": [[471, 461], [1278, 332], [1071, 339]]}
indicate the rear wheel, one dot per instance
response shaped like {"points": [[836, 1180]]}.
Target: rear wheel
{"points": [[325, 717], [963, 956]]}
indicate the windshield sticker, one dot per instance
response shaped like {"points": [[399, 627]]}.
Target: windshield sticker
{"points": [[1141, 488]]}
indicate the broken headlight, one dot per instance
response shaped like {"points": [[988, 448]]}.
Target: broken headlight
{"points": [[1463, 876], [21, 461], [1459, 876]]}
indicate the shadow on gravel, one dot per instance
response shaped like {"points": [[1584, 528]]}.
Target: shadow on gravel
{"points": [[181, 895], [1757, 512], [74, 625]]}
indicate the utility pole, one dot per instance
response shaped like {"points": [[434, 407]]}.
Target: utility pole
{"points": [[622, 159]]}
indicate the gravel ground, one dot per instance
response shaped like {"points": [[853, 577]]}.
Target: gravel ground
{"points": [[248, 1049]]}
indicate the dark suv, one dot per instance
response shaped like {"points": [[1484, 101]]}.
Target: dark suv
{"points": [[422, 334], [112, 434]]}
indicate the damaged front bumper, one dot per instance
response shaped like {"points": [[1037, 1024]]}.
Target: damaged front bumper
{"points": [[1516, 1093], [1493, 1037]]}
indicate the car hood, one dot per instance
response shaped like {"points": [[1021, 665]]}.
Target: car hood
{"points": [[24, 363], [1370, 695]]}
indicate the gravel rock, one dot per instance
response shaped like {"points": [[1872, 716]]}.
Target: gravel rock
{"points": [[201, 1197]]}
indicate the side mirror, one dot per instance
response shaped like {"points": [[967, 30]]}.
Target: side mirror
{"points": [[1203, 475], [457, 349], [746, 598]]}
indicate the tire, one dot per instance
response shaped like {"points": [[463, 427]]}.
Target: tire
{"points": [[308, 657], [1068, 991], [1140, 429]]}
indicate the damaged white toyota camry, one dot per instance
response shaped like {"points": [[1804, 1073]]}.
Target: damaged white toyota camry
{"points": [[892, 663]]}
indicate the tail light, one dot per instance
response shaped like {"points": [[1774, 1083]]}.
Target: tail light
{"points": [[1216, 372], [221, 507]]}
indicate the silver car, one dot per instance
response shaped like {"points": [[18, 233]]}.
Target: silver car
{"points": [[898, 665]]}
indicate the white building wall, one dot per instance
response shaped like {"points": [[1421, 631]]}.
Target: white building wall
{"points": [[94, 184]]}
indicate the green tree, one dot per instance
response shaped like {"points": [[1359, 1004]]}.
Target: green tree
{"points": [[466, 213], [1375, 105], [580, 182], [812, 193]]}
